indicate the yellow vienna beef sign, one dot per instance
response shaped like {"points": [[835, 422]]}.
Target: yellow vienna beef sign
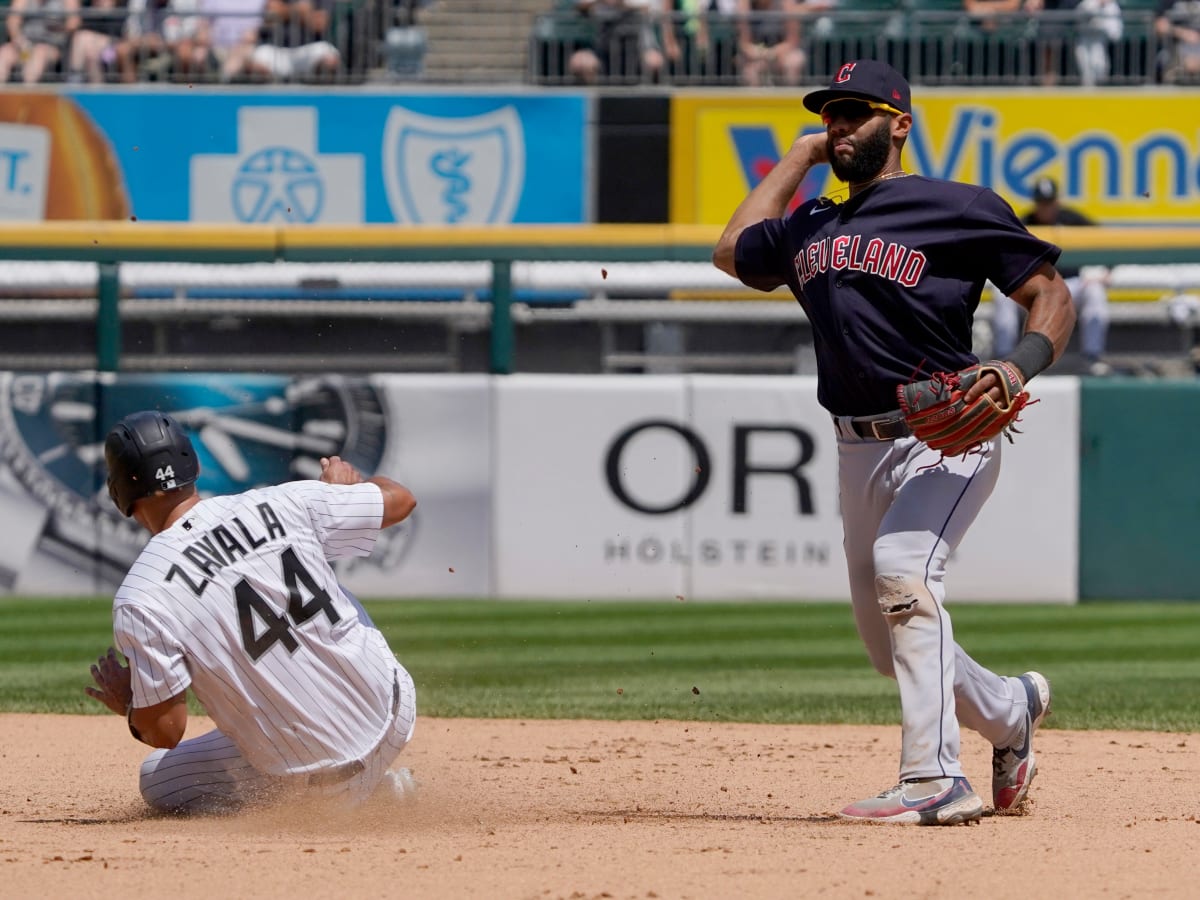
{"points": [[1122, 157]]}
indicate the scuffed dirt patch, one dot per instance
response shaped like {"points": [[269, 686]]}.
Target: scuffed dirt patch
{"points": [[583, 809]]}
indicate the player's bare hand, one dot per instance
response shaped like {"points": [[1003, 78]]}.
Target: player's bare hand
{"points": [[813, 146], [335, 470], [989, 383], [112, 683]]}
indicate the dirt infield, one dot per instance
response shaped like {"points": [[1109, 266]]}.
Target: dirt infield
{"points": [[580, 809]]}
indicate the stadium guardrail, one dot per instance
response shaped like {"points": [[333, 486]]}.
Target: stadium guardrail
{"points": [[932, 41], [113, 244]]}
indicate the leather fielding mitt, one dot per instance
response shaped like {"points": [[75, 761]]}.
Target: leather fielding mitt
{"points": [[937, 411]]}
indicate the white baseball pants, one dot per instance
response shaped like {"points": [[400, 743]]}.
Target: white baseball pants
{"points": [[209, 774], [904, 511]]}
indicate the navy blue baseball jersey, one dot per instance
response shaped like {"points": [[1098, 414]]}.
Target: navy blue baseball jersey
{"points": [[890, 280]]}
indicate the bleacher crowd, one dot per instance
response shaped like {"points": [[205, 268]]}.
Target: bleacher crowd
{"points": [[790, 42], [615, 42], [101, 41]]}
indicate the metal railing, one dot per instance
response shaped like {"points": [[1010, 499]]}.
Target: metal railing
{"points": [[931, 46], [213, 41], [621, 262]]}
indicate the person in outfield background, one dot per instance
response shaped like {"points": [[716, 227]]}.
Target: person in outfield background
{"points": [[293, 42], [93, 46], [1088, 287], [234, 596], [38, 34], [1177, 24], [890, 279], [624, 46], [769, 49]]}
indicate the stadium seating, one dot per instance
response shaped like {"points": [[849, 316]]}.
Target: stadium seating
{"points": [[932, 41]]}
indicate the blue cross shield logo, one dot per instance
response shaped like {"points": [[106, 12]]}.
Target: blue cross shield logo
{"points": [[444, 171], [278, 174]]}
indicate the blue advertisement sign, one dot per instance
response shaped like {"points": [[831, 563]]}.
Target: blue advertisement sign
{"points": [[338, 157]]}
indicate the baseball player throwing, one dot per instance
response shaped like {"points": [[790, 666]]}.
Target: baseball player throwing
{"points": [[234, 596], [890, 279]]}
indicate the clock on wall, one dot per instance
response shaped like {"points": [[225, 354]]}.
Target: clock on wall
{"points": [[248, 431]]}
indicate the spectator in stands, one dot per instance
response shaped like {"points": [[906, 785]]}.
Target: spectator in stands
{"points": [[164, 38], [624, 45], [143, 40], [38, 34], [189, 40], [1100, 22], [985, 10], [293, 42], [1088, 287], [1052, 39], [684, 37], [769, 41], [93, 46], [233, 27], [1177, 23]]}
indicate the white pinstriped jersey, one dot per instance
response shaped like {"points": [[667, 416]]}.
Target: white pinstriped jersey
{"points": [[238, 600]]}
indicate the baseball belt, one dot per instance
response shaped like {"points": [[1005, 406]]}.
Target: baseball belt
{"points": [[884, 427], [346, 771]]}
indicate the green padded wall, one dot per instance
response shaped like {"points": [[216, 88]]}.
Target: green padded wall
{"points": [[1139, 505]]}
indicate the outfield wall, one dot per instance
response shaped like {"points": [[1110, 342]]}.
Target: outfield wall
{"points": [[701, 487]]}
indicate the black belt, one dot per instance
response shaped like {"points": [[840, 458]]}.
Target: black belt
{"points": [[337, 774], [881, 429], [346, 771]]}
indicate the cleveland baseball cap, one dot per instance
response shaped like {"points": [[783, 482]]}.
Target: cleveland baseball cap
{"points": [[864, 79], [1045, 190]]}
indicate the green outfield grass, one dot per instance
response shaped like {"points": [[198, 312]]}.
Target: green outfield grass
{"points": [[1126, 666]]}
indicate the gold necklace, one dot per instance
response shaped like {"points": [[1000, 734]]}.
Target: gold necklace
{"points": [[899, 173]]}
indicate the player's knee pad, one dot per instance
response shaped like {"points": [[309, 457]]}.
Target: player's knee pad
{"points": [[898, 595]]}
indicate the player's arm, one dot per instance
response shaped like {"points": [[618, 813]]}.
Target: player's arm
{"points": [[160, 725], [1051, 312], [1047, 329], [398, 501], [770, 199]]}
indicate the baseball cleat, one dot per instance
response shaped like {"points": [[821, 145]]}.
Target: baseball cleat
{"points": [[929, 801], [1013, 768]]}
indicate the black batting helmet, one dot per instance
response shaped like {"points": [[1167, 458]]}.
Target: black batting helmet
{"points": [[147, 452]]}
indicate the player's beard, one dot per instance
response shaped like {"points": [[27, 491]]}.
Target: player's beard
{"points": [[869, 157]]}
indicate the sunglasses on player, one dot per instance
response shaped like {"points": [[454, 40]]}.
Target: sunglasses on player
{"points": [[853, 110]]}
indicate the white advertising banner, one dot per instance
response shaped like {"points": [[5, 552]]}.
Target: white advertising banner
{"points": [[64, 536], [726, 487], [439, 446], [699, 487], [1034, 509], [769, 527], [561, 530]]}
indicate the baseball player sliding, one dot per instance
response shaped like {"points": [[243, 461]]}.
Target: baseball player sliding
{"points": [[234, 596], [890, 279]]}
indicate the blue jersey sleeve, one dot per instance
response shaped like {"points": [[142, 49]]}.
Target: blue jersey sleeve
{"points": [[993, 238], [761, 254]]}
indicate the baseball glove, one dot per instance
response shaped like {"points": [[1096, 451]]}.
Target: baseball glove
{"points": [[937, 411]]}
